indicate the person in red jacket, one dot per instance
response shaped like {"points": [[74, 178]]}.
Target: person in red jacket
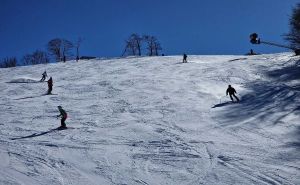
{"points": [[231, 92], [50, 84], [63, 115]]}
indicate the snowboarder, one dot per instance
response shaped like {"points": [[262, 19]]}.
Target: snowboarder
{"points": [[50, 84], [231, 92], [44, 76], [184, 58], [63, 116]]}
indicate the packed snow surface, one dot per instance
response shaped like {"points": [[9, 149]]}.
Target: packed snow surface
{"points": [[153, 120]]}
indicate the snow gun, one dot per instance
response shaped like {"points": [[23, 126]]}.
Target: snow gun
{"points": [[255, 40]]}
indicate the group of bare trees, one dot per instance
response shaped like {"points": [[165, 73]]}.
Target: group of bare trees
{"points": [[134, 45], [58, 49], [61, 49], [8, 62], [37, 57]]}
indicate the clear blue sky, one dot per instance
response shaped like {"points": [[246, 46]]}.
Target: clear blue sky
{"points": [[190, 26]]}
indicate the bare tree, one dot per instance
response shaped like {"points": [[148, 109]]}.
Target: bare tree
{"points": [[157, 48], [77, 46], [66, 49], [150, 40], [54, 48], [137, 40], [37, 57], [133, 45], [294, 35], [59, 48], [8, 62], [129, 48], [153, 45]]}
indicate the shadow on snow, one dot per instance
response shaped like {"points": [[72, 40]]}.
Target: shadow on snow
{"points": [[270, 103], [28, 97], [222, 104], [38, 134]]}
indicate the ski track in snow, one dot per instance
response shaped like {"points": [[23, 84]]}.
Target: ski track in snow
{"points": [[153, 120]]}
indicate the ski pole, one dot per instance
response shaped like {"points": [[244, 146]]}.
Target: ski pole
{"points": [[221, 99]]}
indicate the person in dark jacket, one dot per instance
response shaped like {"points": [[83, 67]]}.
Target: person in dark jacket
{"points": [[231, 92], [63, 114], [44, 76], [50, 84], [184, 58]]}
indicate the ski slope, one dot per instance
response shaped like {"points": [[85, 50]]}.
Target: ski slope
{"points": [[152, 121]]}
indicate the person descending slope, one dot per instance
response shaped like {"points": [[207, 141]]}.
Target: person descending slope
{"points": [[184, 58], [44, 76], [50, 84], [63, 116], [231, 92]]}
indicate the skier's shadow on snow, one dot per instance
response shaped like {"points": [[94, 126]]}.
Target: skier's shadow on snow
{"points": [[222, 104], [25, 81], [237, 59], [180, 63], [15, 82], [37, 134], [28, 97]]}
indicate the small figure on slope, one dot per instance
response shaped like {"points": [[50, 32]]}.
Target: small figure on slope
{"points": [[63, 116], [50, 84], [44, 76], [184, 58], [231, 92]]}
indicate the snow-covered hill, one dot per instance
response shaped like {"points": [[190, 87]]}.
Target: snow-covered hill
{"points": [[153, 120]]}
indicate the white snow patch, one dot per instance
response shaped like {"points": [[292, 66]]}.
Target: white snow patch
{"points": [[153, 120]]}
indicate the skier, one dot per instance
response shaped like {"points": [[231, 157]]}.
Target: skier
{"points": [[50, 84], [184, 58], [44, 76], [231, 92], [63, 116]]}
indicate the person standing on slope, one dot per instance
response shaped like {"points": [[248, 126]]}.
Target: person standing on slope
{"points": [[44, 76], [184, 58], [63, 116], [50, 84], [231, 92]]}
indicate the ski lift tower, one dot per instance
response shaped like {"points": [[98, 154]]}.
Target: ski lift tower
{"points": [[255, 40]]}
